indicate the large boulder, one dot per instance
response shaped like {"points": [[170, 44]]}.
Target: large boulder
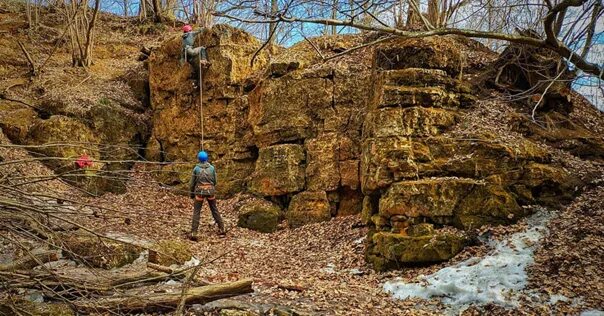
{"points": [[259, 215], [170, 252], [15, 120], [98, 251], [307, 208], [394, 250], [64, 140]]}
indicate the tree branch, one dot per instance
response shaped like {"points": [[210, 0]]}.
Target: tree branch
{"points": [[550, 42]]}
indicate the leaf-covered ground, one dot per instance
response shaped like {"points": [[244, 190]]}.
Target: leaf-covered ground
{"points": [[320, 268]]}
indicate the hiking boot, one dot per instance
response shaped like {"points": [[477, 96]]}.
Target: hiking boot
{"points": [[193, 236], [205, 64], [222, 234]]}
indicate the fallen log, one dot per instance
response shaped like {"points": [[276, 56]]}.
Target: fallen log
{"points": [[81, 282], [31, 260], [163, 301]]}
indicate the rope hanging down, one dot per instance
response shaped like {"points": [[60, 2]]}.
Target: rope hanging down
{"points": [[201, 104]]}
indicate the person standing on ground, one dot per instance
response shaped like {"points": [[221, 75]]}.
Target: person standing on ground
{"points": [[203, 187]]}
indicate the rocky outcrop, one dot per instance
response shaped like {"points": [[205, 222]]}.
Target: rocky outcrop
{"points": [[109, 133], [413, 171], [373, 134], [288, 131]]}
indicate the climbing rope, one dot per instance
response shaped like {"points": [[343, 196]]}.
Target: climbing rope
{"points": [[201, 103]]}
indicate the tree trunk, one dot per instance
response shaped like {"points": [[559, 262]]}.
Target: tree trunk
{"points": [[157, 12], [125, 7], [433, 12], [164, 301], [272, 30], [334, 11], [87, 58], [412, 15]]}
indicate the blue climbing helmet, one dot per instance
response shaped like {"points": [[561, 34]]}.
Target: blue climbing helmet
{"points": [[202, 156]]}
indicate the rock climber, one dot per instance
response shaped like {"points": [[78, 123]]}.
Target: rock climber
{"points": [[196, 56], [203, 187]]}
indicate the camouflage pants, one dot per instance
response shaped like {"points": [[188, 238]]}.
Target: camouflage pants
{"points": [[195, 54], [197, 214]]}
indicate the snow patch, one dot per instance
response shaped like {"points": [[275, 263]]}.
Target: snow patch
{"points": [[497, 278], [555, 298], [360, 240], [191, 263], [592, 312], [330, 268]]}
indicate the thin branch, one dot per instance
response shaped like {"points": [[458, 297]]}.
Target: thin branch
{"points": [[28, 57], [314, 46], [553, 45]]}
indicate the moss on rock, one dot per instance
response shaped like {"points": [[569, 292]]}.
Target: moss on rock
{"points": [[259, 215], [389, 250], [169, 252], [99, 252]]}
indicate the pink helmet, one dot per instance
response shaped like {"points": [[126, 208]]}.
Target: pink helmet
{"points": [[187, 28]]}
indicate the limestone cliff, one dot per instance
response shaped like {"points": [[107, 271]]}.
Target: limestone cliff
{"points": [[386, 130]]}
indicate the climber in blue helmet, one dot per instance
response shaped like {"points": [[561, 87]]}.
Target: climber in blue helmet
{"points": [[203, 187]]}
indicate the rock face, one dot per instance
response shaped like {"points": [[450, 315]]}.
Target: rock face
{"points": [[279, 170], [308, 207], [276, 134], [175, 102], [413, 172], [370, 134]]}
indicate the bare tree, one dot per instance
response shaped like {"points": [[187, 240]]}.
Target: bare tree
{"points": [[81, 24], [556, 26]]}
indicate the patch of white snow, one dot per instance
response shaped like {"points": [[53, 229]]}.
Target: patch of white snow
{"points": [[360, 240], [191, 263], [555, 298], [330, 269], [496, 278], [592, 312]]}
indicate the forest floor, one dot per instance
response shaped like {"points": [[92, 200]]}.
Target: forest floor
{"points": [[320, 268]]}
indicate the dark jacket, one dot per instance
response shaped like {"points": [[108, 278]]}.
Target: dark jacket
{"points": [[203, 177], [188, 40]]}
